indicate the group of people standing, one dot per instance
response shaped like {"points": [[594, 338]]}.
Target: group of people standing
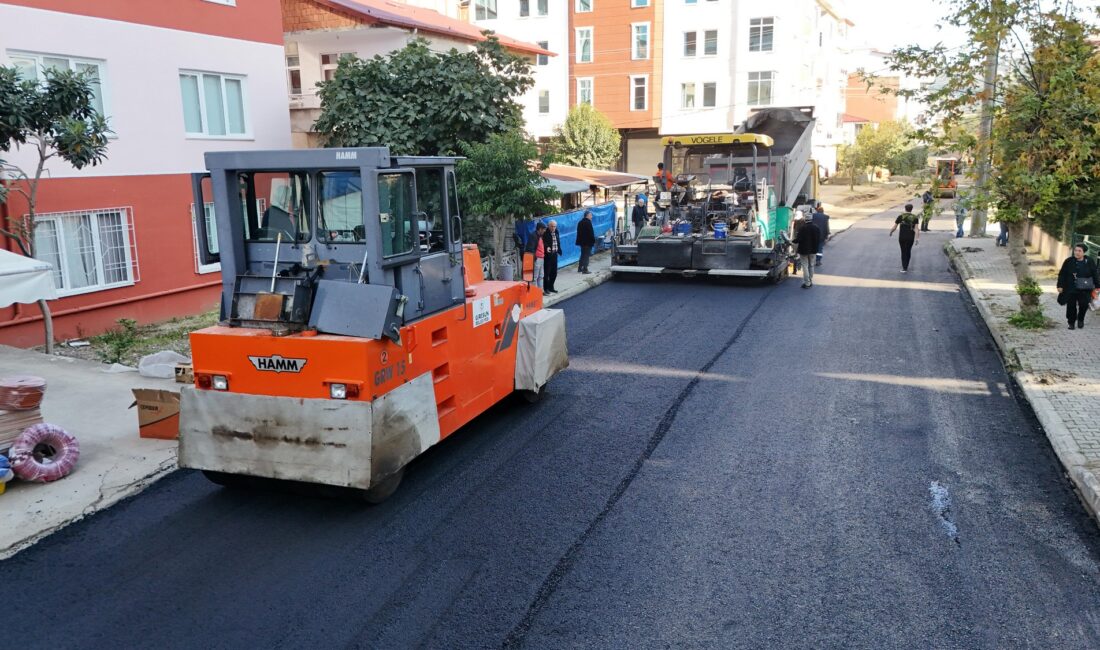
{"points": [[545, 246], [810, 236]]}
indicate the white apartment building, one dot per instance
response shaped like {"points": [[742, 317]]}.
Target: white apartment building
{"points": [[546, 23], [726, 58]]}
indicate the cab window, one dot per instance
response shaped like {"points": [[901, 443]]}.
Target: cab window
{"points": [[340, 218], [396, 214], [452, 206], [429, 200], [275, 204]]}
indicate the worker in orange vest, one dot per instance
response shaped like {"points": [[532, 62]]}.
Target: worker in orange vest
{"points": [[664, 179]]}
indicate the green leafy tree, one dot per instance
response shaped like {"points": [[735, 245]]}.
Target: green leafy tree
{"points": [[965, 80], [1046, 147], [875, 147], [501, 182], [418, 102], [57, 119], [587, 139]]}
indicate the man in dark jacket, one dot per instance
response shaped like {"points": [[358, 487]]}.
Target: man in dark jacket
{"points": [[586, 239], [639, 216], [821, 220], [551, 242], [806, 237], [1076, 280]]}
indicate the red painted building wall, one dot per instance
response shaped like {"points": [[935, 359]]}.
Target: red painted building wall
{"points": [[168, 284]]}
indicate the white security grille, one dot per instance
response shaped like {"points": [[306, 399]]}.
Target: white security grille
{"points": [[90, 250]]}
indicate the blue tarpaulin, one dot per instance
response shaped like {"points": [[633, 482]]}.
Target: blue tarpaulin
{"points": [[603, 219]]}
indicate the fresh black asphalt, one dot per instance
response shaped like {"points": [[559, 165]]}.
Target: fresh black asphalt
{"points": [[721, 466]]}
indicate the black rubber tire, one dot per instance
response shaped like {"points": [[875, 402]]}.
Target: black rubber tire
{"points": [[530, 396], [225, 479], [384, 489]]}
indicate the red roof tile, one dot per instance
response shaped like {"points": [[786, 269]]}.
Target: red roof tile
{"points": [[398, 14]]}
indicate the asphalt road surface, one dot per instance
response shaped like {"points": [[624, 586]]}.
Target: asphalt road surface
{"points": [[721, 466]]}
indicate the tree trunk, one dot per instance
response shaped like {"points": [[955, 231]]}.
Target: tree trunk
{"points": [[47, 320], [500, 229], [1017, 255], [985, 140]]}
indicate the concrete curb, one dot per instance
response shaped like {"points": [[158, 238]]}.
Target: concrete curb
{"points": [[1084, 477], [105, 501], [594, 280]]}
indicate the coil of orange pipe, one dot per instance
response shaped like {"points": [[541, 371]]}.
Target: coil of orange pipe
{"points": [[21, 392]]}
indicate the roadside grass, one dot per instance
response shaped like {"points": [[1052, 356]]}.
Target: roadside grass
{"points": [[128, 342]]}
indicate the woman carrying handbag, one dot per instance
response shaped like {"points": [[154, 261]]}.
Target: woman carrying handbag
{"points": [[1076, 280]]}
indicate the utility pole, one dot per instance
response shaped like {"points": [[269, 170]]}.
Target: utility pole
{"points": [[985, 135]]}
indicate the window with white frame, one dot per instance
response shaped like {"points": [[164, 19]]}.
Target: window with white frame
{"points": [[639, 93], [585, 91], [639, 3], [689, 44], [213, 104], [485, 9], [690, 2], [90, 250], [544, 102], [543, 59], [330, 62], [640, 38], [710, 42], [294, 74], [211, 234], [760, 88], [524, 8], [543, 7], [32, 66], [584, 45], [761, 32], [583, 6], [710, 94], [687, 95]]}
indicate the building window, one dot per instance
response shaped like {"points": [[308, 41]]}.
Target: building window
{"points": [[584, 91], [640, 33], [689, 44], [584, 45], [639, 3], [32, 67], [213, 104], [583, 6], [760, 88], [687, 95], [90, 250], [524, 8], [543, 59], [761, 31], [294, 74], [710, 94], [544, 102], [639, 93], [690, 2], [485, 9], [710, 42], [330, 62], [543, 7]]}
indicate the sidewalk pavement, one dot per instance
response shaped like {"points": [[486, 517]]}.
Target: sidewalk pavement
{"points": [[114, 462], [571, 282], [1057, 369]]}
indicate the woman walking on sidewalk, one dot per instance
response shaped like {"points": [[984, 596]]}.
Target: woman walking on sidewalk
{"points": [[908, 235], [1076, 280]]}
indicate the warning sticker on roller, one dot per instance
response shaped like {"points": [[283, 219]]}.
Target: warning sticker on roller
{"points": [[483, 313]]}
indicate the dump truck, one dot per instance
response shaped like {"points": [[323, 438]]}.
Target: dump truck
{"points": [[729, 210], [357, 329]]}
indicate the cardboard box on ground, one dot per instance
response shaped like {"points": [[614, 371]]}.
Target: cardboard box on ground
{"points": [[158, 413]]}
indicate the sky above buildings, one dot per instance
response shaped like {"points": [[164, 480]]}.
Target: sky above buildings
{"points": [[897, 23]]}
